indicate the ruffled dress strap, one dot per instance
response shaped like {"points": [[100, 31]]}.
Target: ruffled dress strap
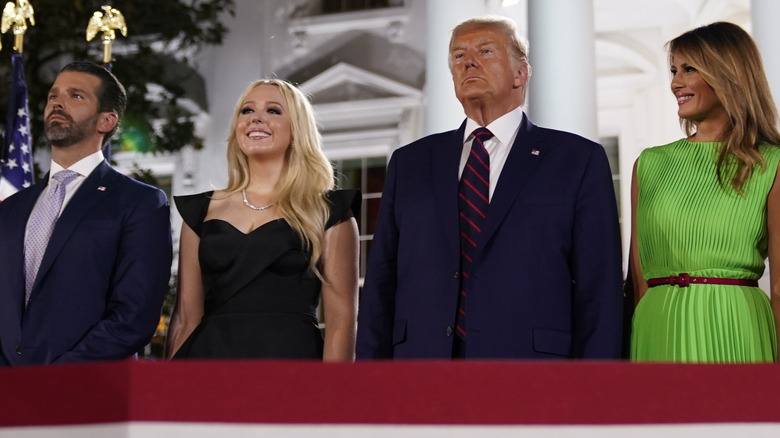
{"points": [[342, 202], [193, 209]]}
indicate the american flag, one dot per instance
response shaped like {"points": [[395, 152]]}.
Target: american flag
{"points": [[16, 168]]}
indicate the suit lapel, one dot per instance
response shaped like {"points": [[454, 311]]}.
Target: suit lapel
{"points": [[519, 166], [87, 196], [446, 162]]}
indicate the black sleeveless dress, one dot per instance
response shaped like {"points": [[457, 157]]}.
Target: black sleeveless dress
{"points": [[260, 295]]}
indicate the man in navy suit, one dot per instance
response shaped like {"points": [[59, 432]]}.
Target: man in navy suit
{"points": [[100, 281], [541, 276]]}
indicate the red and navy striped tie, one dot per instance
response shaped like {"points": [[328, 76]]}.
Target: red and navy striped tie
{"points": [[473, 203]]}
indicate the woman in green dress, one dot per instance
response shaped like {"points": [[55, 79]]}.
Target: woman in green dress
{"points": [[706, 210]]}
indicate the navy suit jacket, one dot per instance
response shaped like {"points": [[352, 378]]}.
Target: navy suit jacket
{"points": [[102, 280], [546, 279]]}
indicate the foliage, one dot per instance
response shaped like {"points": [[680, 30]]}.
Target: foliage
{"points": [[156, 347], [144, 175], [152, 62]]}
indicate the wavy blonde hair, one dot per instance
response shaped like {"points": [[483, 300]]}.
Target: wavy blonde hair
{"points": [[307, 175], [729, 61]]}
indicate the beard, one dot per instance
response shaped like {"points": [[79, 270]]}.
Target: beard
{"points": [[70, 132]]}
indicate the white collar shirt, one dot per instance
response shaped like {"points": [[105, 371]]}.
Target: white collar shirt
{"points": [[83, 167], [504, 131]]}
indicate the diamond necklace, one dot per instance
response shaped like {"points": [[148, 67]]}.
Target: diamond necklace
{"points": [[254, 207]]}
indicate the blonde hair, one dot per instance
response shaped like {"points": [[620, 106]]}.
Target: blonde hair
{"points": [[307, 177], [729, 61]]}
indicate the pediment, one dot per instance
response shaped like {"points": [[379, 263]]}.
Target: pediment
{"points": [[344, 82], [366, 64]]}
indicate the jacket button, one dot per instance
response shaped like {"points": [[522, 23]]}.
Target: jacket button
{"points": [[448, 332], [457, 274], [18, 350]]}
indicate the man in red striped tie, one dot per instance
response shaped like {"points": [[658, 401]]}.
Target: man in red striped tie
{"points": [[499, 239]]}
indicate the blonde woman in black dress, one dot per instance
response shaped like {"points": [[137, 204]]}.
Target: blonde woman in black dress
{"points": [[256, 257]]}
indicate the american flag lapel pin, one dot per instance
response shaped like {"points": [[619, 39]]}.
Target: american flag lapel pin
{"points": [[101, 188], [535, 152]]}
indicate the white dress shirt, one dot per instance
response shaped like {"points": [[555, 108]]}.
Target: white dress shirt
{"points": [[504, 131], [83, 167]]}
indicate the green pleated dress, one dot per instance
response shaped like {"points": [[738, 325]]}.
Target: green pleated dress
{"points": [[687, 223]]}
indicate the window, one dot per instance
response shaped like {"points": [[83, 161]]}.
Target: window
{"points": [[611, 147], [368, 175], [336, 6]]}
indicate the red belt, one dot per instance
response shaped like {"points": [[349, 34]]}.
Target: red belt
{"points": [[683, 280]]}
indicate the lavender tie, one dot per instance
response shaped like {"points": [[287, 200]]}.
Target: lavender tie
{"points": [[41, 224]]}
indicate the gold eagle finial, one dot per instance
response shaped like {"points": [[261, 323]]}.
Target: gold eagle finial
{"points": [[16, 15], [107, 22]]}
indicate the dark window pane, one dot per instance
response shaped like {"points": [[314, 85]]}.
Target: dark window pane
{"points": [[375, 170], [334, 6], [372, 212], [350, 179], [611, 148], [347, 177]]}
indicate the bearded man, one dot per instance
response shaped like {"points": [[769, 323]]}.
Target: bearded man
{"points": [[85, 254]]}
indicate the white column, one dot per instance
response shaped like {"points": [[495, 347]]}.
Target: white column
{"points": [[764, 15], [227, 69], [562, 55], [443, 112]]}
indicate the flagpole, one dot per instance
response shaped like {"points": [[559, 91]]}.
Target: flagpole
{"points": [[15, 16], [106, 22], [16, 165]]}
